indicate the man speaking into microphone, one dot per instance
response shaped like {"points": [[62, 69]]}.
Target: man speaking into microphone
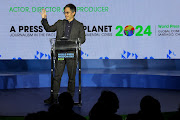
{"points": [[68, 28]]}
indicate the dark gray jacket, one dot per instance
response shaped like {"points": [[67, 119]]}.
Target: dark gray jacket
{"points": [[77, 30]]}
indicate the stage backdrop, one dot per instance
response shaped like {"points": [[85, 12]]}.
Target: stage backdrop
{"points": [[115, 29]]}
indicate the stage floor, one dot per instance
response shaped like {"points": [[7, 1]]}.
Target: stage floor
{"points": [[20, 102]]}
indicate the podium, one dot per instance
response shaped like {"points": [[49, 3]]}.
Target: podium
{"points": [[59, 51]]}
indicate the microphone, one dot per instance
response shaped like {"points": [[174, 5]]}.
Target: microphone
{"points": [[63, 35]]}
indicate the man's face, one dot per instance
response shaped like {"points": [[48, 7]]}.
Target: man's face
{"points": [[69, 14]]}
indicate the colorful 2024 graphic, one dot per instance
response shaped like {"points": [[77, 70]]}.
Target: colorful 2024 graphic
{"points": [[129, 30]]}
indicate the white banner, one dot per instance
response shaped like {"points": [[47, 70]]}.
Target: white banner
{"points": [[115, 29]]}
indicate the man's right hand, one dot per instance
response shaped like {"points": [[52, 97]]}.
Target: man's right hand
{"points": [[43, 13]]}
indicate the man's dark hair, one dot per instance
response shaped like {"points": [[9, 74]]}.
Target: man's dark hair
{"points": [[72, 7]]}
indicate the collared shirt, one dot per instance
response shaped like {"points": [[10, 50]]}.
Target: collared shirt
{"points": [[68, 28]]}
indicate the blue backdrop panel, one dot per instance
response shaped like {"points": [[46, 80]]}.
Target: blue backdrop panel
{"points": [[104, 73]]}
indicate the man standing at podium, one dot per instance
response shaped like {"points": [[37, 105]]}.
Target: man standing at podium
{"points": [[71, 29]]}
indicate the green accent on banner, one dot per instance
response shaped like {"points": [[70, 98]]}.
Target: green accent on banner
{"points": [[60, 58], [92, 9]]}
